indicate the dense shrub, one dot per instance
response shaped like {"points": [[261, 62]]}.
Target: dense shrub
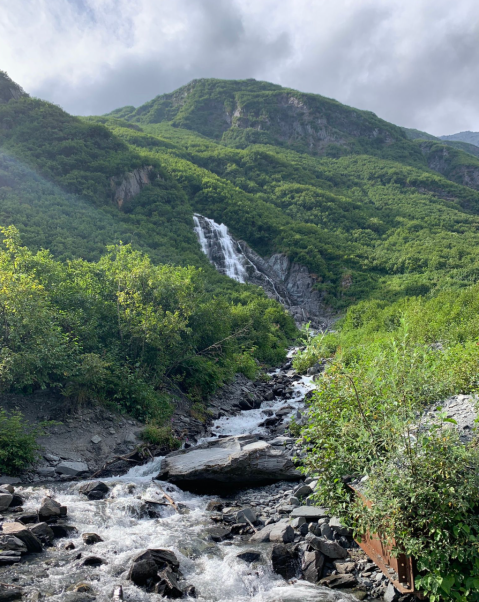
{"points": [[18, 446]]}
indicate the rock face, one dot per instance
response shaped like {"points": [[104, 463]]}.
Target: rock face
{"points": [[229, 463], [132, 183], [443, 159], [9, 90], [289, 283]]}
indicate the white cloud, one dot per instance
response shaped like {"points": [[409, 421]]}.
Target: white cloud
{"points": [[413, 62]]}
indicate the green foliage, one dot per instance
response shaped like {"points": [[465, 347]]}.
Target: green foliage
{"points": [[161, 436], [389, 362], [123, 329], [18, 446]]}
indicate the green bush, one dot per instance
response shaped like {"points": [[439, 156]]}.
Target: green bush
{"points": [[162, 436], [388, 364], [18, 445]]}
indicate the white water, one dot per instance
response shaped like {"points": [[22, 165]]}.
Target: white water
{"points": [[214, 569], [217, 234]]}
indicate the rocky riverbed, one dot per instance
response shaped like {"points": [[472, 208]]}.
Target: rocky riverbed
{"points": [[229, 518]]}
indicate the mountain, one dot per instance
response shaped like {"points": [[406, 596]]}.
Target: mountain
{"points": [[469, 137]]}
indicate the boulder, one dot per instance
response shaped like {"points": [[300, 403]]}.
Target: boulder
{"points": [[303, 491], [228, 463], [7, 488], [91, 538], [312, 566], [310, 513], [167, 586], [5, 500], [72, 469], [339, 581], [249, 556], [282, 533], [9, 557], [219, 533], [391, 594], [214, 506], [93, 561], [51, 509], [331, 549], [21, 532], [246, 516], [263, 534], [61, 530], [344, 567], [10, 593], [285, 561], [43, 532], [12, 544], [146, 566], [336, 525], [16, 501], [94, 490]]}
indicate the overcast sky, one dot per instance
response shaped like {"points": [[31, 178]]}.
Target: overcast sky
{"points": [[413, 62]]}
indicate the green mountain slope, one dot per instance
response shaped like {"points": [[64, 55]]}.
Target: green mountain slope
{"points": [[469, 137]]}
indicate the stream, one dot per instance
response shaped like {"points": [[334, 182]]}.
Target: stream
{"points": [[214, 569]]}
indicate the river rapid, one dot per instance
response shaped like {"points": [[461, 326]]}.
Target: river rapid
{"points": [[123, 523]]}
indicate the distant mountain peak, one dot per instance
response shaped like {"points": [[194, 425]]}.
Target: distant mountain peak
{"points": [[9, 90], [469, 137]]}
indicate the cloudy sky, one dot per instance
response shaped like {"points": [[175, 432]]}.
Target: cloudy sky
{"points": [[413, 62]]}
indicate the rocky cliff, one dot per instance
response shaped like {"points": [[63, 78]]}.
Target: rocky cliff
{"points": [[9, 90], [451, 163], [289, 283], [124, 189]]}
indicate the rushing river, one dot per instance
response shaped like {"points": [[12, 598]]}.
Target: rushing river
{"points": [[122, 522]]}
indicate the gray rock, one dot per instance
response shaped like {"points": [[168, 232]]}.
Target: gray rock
{"points": [[331, 549], [297, 522], [146, 565], [339, 581], [96, 439], [10, 593], [303, 491], [285, 561], [245, 515], [249, 556], [219, 533], [326, 531], [228, 463], [312, 566], [391, 594], [12, 543], [168, 584], [262, 535], [46, 471], [5, 500], [43, 532], [91, 538], [336, 525], [94, 490], [93, 561], [50, 508], [21, 532], [282, 533], [72, 469], [344, 567], [310, 513]]}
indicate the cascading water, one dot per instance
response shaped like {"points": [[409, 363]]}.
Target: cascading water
{"points": [[123, 523], [220, 248]]}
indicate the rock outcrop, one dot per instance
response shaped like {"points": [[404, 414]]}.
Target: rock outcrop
{"points": [[124, 189], [228, 463], [9, 90], [291, 284]]}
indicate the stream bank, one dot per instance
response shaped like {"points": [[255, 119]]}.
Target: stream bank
{"points": [[260, 543]]}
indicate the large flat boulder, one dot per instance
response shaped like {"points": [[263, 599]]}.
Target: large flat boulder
{"points": [[228, 463]]}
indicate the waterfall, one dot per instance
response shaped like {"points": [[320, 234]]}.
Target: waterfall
{"points": [[220, 248]]}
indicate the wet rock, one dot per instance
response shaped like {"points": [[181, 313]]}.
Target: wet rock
{"points": [[72, 469], [312, 566], [16, 501], [282, 533], [51, 509], [118, 594], [7, 488], [145, 567], [61, 530], [91, 538], [339, 581], [249, 556], [10, 593], [310, 513], [21, 532], [9, 557], [228, 463], [94, 490], [43, 532], [344, 567], [5, 500], [93, 561], [190, 591], [28, 518], [12, 543], [214, 506], [168, 584], [219, 533], [82, 587], [246, 515], [285, 561], [331, 549]]}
